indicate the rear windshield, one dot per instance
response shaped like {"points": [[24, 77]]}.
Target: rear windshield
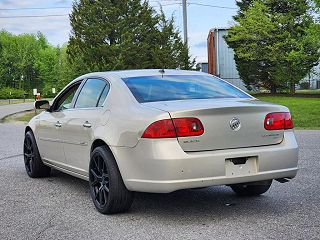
{"points": [[180, 87]]}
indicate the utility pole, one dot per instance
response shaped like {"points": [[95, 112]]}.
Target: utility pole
{"points": [[185, 21]]}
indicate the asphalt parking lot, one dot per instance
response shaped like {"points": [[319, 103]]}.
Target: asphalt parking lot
{"points": [[60, 207]]}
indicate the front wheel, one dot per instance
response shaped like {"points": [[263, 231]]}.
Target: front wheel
{"points": [[32, 160], [108, 192], [251, 189]]}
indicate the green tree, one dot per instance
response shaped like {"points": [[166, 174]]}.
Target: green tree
{"points": [[17, 57], [112, 35], [276, 43], [27, 61], [67, 70], [47, 66]]}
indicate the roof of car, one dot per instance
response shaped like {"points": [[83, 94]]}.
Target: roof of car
{"points": [[140, 73]]}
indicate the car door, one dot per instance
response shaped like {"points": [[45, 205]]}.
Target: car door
{"points": [[49, 132], [80, 122]]}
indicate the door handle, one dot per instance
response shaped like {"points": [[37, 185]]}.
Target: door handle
{"points": [[87, 124], [58, 124]]}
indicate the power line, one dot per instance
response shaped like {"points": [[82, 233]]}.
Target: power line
{"points": [[212, 6], [168, 3], [162, 3], [32, 8], [36, 16], [165, 4]]}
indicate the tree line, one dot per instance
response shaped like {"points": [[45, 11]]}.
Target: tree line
{"points": [[106, 35], [276, 44]]}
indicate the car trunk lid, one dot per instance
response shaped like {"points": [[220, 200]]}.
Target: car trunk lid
{"points": [[220, 120]]}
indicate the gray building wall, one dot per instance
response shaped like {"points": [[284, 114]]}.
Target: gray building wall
{"points": [[225, 64], [203, 67]]}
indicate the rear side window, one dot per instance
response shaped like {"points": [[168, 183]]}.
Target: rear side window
{"points": [[103, 95], [180, 87], [90, 93]]}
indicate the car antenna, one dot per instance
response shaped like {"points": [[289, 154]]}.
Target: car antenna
{"points": [[162, 72]]}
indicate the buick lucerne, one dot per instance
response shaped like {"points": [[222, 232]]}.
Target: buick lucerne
{"points": [[160, 131]]}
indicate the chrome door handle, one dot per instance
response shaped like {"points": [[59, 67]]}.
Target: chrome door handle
{"points": [[58, 124], [87, 124]]}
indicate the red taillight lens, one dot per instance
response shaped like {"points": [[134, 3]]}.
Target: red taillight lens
{"points": [[160, 129], [172, 128], [288, 123], [187, 127], [278, 121]]}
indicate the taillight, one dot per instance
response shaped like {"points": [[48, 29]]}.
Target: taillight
{"points": [[288, 123], [278, 121], [172, 128], [160, 129], [187, 127]]}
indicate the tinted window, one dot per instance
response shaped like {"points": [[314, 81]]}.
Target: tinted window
{"points": [[167, 88], [90, 93], [65, 101], [103, 95]]}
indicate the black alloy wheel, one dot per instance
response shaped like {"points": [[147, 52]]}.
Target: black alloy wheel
{"points": [[107, 189], [32, 160], [99, 180], [28, 155]]}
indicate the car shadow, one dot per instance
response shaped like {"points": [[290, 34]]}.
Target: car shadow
{"points": [[190, 205]]}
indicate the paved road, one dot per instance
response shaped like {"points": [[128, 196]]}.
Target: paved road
{"points": [[14, 108], [60, 207]]}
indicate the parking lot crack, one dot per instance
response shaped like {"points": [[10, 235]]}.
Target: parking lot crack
{"points": [[46, 227], [12, 156]]}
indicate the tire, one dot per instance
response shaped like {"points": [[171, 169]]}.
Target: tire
{"points": [[32, 160], [251, 189], [107, 190]]}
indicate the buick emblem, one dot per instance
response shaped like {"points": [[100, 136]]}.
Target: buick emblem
{"points": [[235, 124]]}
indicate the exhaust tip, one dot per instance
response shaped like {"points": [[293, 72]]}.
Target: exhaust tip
{"points": [[283, 180]]}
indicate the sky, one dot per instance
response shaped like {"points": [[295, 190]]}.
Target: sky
{"points": [[57, 28]]}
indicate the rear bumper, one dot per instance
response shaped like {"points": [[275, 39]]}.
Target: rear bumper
{"points": [[161, 166]]}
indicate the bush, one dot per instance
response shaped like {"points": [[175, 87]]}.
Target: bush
{"points": [[15, 93]]}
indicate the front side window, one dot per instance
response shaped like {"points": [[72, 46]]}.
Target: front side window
{"points": [[90, 93], [180, 87], [66, 100]]}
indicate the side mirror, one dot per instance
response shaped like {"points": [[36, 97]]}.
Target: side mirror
{"points": [[42, 104]]}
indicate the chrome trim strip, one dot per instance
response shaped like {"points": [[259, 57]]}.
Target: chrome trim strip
{"points": [[61, 141], [75, 143], [50, 139]]}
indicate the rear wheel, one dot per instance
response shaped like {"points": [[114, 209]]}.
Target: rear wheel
{"points": [[108, 192], [32, 160], [251, 189]]}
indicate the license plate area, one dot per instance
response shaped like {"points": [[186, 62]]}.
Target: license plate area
{"points": [[241, 166]]}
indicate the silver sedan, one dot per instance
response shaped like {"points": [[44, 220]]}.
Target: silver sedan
{"points": [[160, 131]]}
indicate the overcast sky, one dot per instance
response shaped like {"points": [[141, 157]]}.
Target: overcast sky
{"points": [[56, 28]]}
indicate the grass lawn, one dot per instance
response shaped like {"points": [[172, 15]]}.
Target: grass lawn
{"points": [[305, 111], [309, 91], [21, 117], [6, 102], [26, 117]]}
